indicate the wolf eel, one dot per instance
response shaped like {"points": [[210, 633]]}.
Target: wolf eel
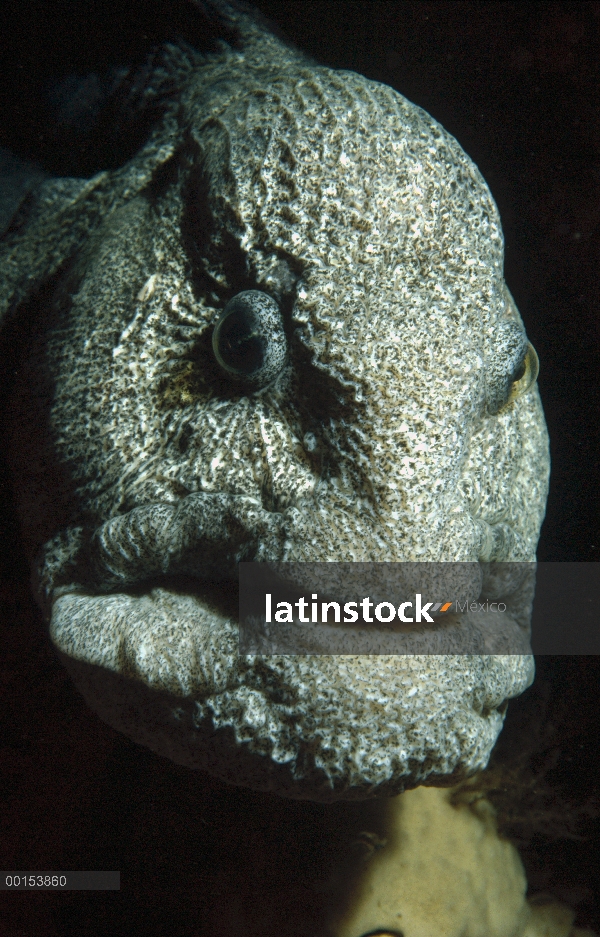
{"points": [[279, 332]]}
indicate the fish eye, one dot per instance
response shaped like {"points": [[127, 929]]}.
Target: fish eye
{"points": [[249, 339], [511, 366], [525, 375]]}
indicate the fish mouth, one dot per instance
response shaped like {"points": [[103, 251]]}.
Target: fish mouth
{"points": [[156, 653], [195, 546], [488, 611]]}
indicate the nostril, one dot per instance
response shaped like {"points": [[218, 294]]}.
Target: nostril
{"points": [[184, 438]]}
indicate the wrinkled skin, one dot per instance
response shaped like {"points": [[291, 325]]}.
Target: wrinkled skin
{"points": [[144, 471]]}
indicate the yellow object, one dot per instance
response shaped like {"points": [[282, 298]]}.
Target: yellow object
{"points": [[445, 872]]}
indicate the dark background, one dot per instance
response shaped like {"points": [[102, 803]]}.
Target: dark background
{"points": [[518, 86]]}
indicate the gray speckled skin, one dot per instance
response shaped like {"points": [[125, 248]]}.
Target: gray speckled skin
{"points": [[385, 437]]}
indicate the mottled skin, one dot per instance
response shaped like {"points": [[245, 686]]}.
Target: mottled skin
{"points": [[389, 434]]}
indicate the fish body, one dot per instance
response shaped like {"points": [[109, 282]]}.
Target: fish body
{"points": [[149, 460]]}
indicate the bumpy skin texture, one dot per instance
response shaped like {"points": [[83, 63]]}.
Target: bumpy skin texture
{"points": [[384, 437]]}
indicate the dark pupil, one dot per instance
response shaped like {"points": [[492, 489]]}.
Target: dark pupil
{"points": [[241, 344], [519, 372]]}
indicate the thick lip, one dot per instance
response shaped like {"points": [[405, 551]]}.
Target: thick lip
{"points": [[164, 545], [483, 632]]}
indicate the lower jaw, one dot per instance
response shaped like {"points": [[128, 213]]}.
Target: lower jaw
{"points": [[161, 663]]}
